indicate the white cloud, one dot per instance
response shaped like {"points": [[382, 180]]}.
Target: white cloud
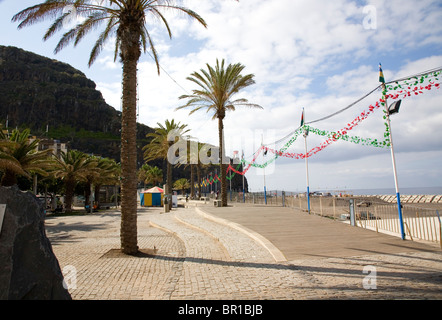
{"points": [[108, 62]]}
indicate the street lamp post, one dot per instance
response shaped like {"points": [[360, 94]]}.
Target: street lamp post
{"points": [[306, 171], [264, 169], [243, 174], [306, 160], [394, 108]]}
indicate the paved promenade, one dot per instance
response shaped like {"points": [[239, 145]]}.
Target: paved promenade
{"points": [[240, 252]]}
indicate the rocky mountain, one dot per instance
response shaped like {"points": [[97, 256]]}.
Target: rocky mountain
{"points": [[41, 93]]}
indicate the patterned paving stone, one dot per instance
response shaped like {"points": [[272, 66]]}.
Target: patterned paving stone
{"points": [[185, 256]]}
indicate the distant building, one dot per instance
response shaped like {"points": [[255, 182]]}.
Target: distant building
{"points": [[45, 144], [56, 146]]}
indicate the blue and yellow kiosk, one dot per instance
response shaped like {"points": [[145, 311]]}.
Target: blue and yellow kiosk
{"points": [[152, 197]]}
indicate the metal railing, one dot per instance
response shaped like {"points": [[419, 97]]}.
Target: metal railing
{"points": [[420, 222]]}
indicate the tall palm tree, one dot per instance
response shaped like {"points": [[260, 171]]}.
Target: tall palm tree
{"points": [[73, 167], [19, 156], [217, 88], [159, 146], [126, 22]]}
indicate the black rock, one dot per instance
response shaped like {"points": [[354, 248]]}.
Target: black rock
{"points": [[28, 267]]}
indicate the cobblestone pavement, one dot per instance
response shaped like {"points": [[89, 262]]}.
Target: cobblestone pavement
{"points": [[184, 255]]}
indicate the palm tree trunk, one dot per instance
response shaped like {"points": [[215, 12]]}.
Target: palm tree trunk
{"points": [[87, 194], [192, 181], [97, 188], [69, 195], [169, 183], [128, 233], [222, 165]]}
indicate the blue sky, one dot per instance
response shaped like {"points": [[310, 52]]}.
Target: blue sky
{"points": [[319, 55]]}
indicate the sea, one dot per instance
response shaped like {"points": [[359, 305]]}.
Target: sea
{"points": [[402, 191], [369, 192]]}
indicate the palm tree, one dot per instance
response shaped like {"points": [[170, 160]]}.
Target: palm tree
{"points": [[126, 22], [150, 175], [155, 175], [182, 184], [19, 156], [159, 146], [142, 173], [90, 178], [216, 89], [102, 171], [201, 166], [189, 162], [192, 180], [73, 167], [109, 174]]}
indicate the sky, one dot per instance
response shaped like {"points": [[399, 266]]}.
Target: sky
{"points": [[316, 55]]}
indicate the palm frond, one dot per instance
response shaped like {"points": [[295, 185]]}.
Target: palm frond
{"points": [[39, 12], [119, 12], [161, 16], [56, 26], [101, 40], [152, 47], [216, 88], [187, 11], [91, 22]]}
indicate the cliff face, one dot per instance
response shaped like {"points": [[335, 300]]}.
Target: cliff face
{"points": [[38, 92]]}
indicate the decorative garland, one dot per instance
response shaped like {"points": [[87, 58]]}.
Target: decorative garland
{"points": [[416, 81], [404, 88], [215, 179], [332, 137]]}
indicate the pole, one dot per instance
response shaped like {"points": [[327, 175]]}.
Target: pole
{"points": [[35, 184], [230, 181], [440, 228], [306, 170], [243, 174], [116, 196], [91, 202], [265, 191], [393, 160], [243, 189]]}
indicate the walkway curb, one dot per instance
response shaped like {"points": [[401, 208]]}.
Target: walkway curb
{"points": [[157, 226], [274, 251]]}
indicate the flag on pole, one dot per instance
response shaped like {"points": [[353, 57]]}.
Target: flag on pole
{"points": [[303, 124], [381, 74], [302, 118]]}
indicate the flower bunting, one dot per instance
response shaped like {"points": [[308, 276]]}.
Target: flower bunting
{"points": [[400, 89]]}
